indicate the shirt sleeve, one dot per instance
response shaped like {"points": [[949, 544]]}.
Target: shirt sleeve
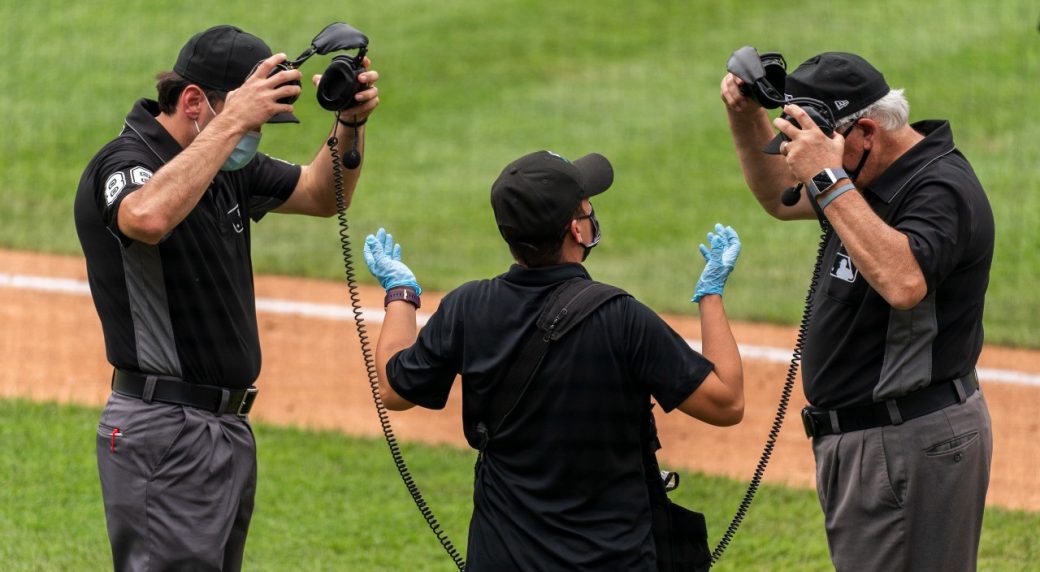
{"points": [[931, 219], [271, 183], [424, 373], [116, 176], [661, 359]]}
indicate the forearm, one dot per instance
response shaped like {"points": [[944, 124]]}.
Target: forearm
{"points": [[315, 194], [881, 253], [766, 175], [398, 332], [719, 345], [155, 209], [719, 400]]}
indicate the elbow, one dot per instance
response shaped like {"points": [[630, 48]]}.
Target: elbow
{"points": [[780, 211], [390, 398], [328, 210], [733, 414], [144, 227], [774, 209], [394, 402], [906, 295]]}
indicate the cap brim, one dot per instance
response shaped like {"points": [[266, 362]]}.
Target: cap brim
{"points": [[773, 147], [283, 118], [596, 173]]}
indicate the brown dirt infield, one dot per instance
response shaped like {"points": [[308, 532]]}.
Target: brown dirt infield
{"points": [[313, 377]]}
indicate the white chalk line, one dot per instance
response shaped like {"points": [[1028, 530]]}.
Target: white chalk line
{"points": [[340, 312]]}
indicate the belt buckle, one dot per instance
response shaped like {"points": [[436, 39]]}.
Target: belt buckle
{"points": [[247, 401], [808, 422]]}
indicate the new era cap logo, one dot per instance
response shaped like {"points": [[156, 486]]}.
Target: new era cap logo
{"points": [[841, 104], [558, 156]]}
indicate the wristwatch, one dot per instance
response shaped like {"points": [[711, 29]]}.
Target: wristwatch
{"points": [[402, 293], [825, 179]]}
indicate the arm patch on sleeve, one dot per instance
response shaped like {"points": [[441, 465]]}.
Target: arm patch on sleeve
{"points": [[114, 185], [117, 183], [140, 176]]}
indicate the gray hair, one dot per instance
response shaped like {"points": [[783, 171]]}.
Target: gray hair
{"points": [[891, 112]]}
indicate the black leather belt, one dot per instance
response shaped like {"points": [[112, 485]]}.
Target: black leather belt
{"points": [[165, 389], [819, 422]]}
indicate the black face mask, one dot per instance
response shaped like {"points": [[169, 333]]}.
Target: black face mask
{"points": [[853, 173], [596, 235]]}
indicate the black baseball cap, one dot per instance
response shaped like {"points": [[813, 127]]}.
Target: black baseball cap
{"points": [[845, 83], [221, 58], [536, 195]]}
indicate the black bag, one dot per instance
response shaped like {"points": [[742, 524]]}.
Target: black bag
{"points": [[680, 534]]}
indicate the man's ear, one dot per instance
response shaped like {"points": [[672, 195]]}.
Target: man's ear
{"points": [[191, 101], [870, 129], [575, 231]]}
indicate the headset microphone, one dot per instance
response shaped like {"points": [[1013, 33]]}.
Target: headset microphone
{"points": [[353, 158], [791, 195]]}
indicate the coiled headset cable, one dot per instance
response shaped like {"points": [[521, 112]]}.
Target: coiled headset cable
{"points": [[785, 398], [366, 351]]}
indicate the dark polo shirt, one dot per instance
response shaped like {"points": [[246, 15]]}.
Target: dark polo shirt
{"points": [[184, 307], [561, 486], [858, 348]]}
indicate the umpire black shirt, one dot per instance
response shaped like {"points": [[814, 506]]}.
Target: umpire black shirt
{"points": [[861, 350], [561, 486], [184, 307]]}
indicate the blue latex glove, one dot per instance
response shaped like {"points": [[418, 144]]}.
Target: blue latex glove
{"points": [[720, 259], [384, 262]]}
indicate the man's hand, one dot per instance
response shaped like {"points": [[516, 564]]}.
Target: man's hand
{"points": [[384, 262], [736, 101], [809, 150], [368, 99], [256, 100], [720, 259]]}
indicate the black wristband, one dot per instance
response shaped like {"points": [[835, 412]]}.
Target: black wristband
{"points": [[402, 293], [352, 125]]}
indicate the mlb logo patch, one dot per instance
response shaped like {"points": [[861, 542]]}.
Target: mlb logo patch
{"points": [[844, 269]]}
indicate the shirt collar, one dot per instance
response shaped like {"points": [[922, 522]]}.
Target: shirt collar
{"points": [[937, 142], [142, 121], [545, 275]]}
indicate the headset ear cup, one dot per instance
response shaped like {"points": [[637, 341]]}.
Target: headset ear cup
{"points": [[277, 69], [339, 84], [775, 68], [817, 111]]}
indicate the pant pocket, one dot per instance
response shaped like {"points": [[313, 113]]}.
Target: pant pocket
{"points": [[893, 463], [139, 433], [110, 436], [953, 446], [164, 434]]}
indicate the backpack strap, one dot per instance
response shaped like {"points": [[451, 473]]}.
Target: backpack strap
{"points": [[566, 307]]}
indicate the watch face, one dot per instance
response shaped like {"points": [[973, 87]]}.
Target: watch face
{"points": [[824, 179]]}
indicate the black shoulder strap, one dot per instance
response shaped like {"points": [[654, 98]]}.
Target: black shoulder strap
{"points": [[567, 306]]}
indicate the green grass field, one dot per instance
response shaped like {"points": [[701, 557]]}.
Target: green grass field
{"points": [[468, 86], [330, 502]]}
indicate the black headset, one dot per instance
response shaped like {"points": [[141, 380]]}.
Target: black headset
{"points": [[765, 77], [339, 84]]}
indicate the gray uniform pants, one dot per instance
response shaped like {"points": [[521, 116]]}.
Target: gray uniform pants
{"points": [[178, 485], [907, 497]]}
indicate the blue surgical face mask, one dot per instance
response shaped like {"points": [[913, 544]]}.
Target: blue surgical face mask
{"points": [[244, 150]]}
